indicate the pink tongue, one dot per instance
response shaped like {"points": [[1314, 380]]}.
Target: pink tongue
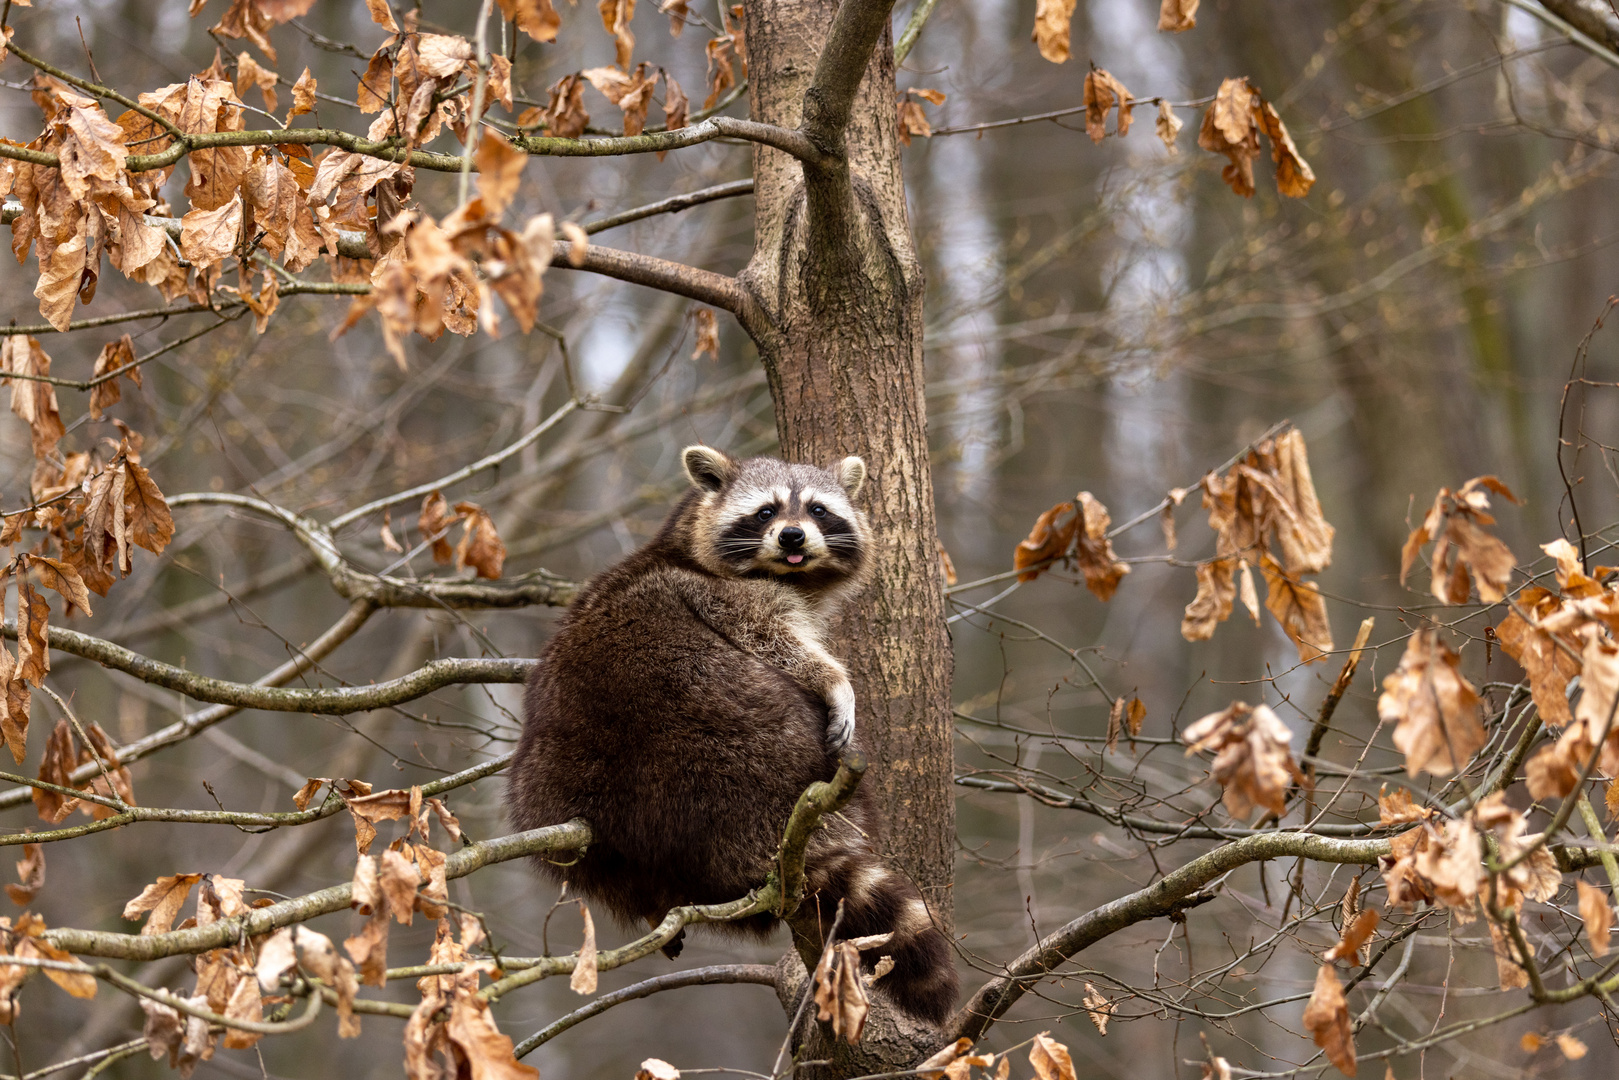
{"points": [[795, 559]]}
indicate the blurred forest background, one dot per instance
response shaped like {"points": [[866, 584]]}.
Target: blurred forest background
{"points": [[1100, 317]]}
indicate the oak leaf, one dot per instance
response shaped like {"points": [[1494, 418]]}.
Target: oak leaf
{"points": [[1326, 1017], [1252, 763], [1397, 808], [1434, 708], [1463, 551]]}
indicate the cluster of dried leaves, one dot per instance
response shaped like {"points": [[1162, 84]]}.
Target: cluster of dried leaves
{"points": [[1073, 532], [1049, 1058], [1263, 510], [480, 546], [1252, 762], [1231, 125], [90, 510]]}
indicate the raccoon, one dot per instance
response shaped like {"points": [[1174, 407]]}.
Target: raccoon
{"points": [[688, 698]]}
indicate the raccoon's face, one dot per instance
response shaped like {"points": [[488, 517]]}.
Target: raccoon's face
{"points": [[763, 516]]}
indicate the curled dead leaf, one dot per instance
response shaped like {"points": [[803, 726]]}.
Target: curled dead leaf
{"points": [[1434, 708], [1326, 1018], [1252, 762]]}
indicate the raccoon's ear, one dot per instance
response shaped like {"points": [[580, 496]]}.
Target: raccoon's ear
{"points": [[851, 473], [707, 467]]}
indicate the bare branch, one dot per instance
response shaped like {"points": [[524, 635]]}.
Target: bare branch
{"points": [[673, 204], [760, 974]]}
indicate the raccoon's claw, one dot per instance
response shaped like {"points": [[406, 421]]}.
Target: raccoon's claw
{"points": [[839, 733], [675, 944]]}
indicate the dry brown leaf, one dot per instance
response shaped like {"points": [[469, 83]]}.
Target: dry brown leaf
{"points": [[616, 16], [245, 1003], [163, 899], [1177, 15], [1572, 1048], [1354, 938], [947, 1056], [1463, 551], [434, 522], [1252, 762], [1102, 92], [583, 979], [1168, 126], [303, 96], [500, 169], [1434, 707], [708, 334], [1397, 808], [33, 652], [62, 578], [1326, 1017], [1052, 19], [1216, 590], [536, 18], [1049, 539], [31, 876], [1294, 177], [675, 106], [1531, 1042], [1246, 591], [1099, 1008], [1300, 608], [1508, 971], [32, 400], [488, 1053], [1229, 129], [1094, 550], [1050, 1058], [840, 994], [480, 547], [657, 1069], [114, 355], [208, 237], [249, 72], [1595, 912]]}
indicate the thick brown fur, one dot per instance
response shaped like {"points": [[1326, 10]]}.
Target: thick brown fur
{"points": [[686, 701]]}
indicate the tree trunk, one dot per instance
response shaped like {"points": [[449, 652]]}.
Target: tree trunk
{"points": [[838, 320]]}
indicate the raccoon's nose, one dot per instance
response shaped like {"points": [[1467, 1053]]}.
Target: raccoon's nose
{"points": [[791, 538]]}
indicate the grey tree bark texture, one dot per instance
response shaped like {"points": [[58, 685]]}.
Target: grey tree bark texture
{"points": [[835, 307]]}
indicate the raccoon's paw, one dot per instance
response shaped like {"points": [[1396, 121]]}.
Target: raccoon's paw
{"points": [[840, 720]]}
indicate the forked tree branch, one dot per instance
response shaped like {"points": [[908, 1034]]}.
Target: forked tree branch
{"points": [[829, 102]]}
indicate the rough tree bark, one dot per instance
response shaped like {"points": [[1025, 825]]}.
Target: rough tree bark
{"points": [[836, 312]]}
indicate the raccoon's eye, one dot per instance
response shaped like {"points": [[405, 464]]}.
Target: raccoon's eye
{"points": [[818, 510], [765, 514]]}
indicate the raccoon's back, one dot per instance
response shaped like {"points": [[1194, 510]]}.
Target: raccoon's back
{"points": [[684, 753]]}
